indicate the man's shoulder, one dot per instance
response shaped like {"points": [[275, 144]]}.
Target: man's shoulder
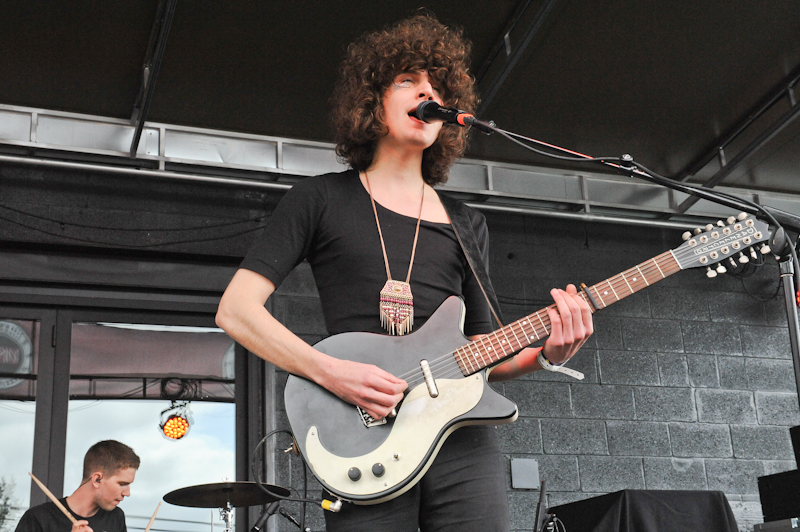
{"points": [[44, 509], [44, 517], [325, 186]]}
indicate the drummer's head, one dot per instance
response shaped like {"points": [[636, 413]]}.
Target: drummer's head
{"points": [[107, 458]]}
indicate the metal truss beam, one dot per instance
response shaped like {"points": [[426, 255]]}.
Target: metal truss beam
{"points": [[506, 54], [152, 65], [785, 91], [79, 142]]}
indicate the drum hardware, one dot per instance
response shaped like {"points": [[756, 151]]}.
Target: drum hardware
{"points": [[229, 495]]}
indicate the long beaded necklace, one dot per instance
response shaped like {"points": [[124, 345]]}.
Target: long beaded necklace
{"points": [[396, 303]]}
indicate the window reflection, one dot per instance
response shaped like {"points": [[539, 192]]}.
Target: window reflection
{"points": [[19, 355]]}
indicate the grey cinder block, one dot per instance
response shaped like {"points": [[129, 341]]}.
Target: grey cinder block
{"points": [[610, 473], [637, 438], [665, 404], [660, 336], [602, 402], [763, 443], [725, 406], [675, 474], [626, 367], [766, 342], [574, 436], [710, 338], [776, 408], [734, 476], [700, 440]]}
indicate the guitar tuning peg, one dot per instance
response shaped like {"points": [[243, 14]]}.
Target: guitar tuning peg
{"points": [[721, 268], [744, 259], [765, 249], [710, 273], [731, 220], [753, 254], [733, 263], [686, 236], [697, 230], [720, 223], [709, 227], [741, 216]]}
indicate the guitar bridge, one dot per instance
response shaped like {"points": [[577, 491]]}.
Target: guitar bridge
{"points": [[368, 420]]}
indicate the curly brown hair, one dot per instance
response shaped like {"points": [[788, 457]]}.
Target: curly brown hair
{"points": [[372, 62]]}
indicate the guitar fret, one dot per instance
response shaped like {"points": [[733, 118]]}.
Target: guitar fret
{"points": [[515, 337], [542, 322], [506, 341], [627, 283], [659, 268], [467, 358], [490, 350], [475, 354], [644, 277], [597, 293], [612, 289]]}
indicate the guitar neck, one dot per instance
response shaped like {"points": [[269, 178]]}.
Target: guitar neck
{"points": [[506, 341]]}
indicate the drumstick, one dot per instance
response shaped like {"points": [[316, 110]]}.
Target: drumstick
{"points": [[147, 528], [53, 498]]}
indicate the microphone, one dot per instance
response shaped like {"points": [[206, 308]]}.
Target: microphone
{"points": [[271, 509], [429, 111]]}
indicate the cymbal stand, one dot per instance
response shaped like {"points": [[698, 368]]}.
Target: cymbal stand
{"points": [[226, 514]]}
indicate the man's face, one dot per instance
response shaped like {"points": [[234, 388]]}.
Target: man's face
{"points": [[111, 490], [406, 92]]}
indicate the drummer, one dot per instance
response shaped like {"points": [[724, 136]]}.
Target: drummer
{"points": [[109, 469]]}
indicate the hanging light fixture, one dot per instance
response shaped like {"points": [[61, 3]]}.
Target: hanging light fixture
{"points": [[175, 421]]}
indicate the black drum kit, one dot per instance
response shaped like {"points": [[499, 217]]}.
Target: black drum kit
{"points": [[229, 495]]}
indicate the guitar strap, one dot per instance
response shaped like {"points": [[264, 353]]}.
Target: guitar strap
{"points": [[465, 234]]}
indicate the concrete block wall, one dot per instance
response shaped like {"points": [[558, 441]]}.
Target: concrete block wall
{"points": [[689, 383]]}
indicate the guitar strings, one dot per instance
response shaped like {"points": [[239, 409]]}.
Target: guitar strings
{"points": [[628, 282]]}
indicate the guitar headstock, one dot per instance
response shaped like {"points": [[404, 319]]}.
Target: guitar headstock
{"points": [[723, 243]]}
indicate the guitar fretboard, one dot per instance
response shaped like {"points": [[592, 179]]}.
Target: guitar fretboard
{"points": [[506, 341]]}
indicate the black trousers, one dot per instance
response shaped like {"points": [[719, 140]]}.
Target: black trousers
{"points": [[463, 491]]}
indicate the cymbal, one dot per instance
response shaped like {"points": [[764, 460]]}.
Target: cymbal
{"points": [[219, 495]]}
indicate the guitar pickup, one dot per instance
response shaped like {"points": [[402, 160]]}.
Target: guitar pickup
{"points": [[433, 391], [368, 420]]}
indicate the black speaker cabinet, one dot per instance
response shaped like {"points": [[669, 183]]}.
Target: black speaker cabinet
{"points": [[780, 495], [794, 432]]}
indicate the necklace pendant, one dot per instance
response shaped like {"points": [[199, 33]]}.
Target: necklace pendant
{"points": [[397, 307]]}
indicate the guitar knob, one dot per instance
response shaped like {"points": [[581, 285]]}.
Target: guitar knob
{"points": [[378, 470], [354, 473], [710, 273]]}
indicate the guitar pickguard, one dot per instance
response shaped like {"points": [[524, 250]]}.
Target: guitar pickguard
{"points": [[415, 432]]}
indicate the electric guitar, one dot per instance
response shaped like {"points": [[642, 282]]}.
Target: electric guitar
{"points": [[368, 461]]}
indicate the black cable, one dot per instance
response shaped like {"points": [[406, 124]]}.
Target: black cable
{"points": [[140, 246], [631, 167], [106, 228], [259, 482]]}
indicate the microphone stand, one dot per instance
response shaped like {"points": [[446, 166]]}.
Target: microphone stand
{"points": [[781, 245]]}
